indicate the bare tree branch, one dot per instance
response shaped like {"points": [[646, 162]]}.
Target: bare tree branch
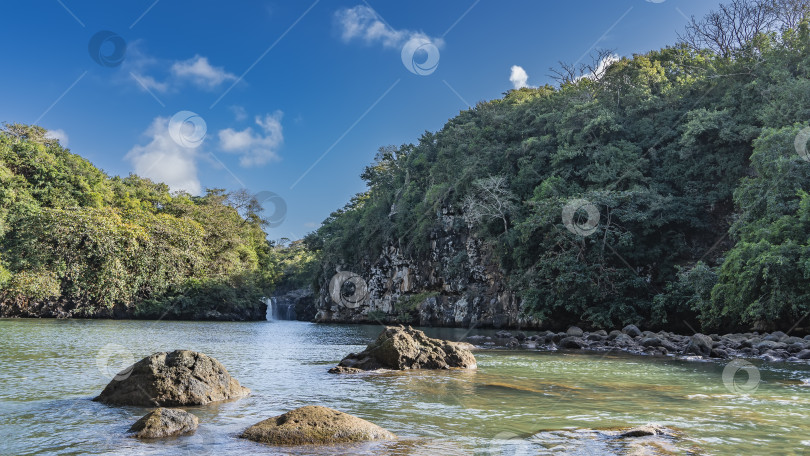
{"points": [[490, 198], [733, 24], [600, 61]]}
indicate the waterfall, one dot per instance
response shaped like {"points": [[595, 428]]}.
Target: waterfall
{"points": [[276, 310], [270, 306]]}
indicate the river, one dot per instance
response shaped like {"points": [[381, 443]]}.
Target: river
{"points": [[52, 368]]}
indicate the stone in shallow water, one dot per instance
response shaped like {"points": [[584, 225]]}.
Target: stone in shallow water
{"points": [[646, 430], [571, 342], [574, 331], [314, 424], [164, 422], [403, 348], [631, 330], [700, 345], [178, 378], [651, 342], [647, 440]]}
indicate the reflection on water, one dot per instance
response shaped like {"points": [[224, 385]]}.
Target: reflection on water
{"points": [[517, 402]]}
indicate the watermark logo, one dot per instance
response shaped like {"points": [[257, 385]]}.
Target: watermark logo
{"points": [[570, 211], [115, 362], [801, 143], [348, 289], [732, 380], [107, 48], [420, 56], [187, 129], [279, 214]]}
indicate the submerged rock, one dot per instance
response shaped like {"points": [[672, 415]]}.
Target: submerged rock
{"points": [[403, 348], [315, 425], [179, 378], [647, 440], [164, 422], [646, 430]]}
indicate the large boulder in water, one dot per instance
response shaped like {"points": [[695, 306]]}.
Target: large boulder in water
{"points": [[315, 425], [164, 422], [403, 348], [700, 345], [179, 378]]}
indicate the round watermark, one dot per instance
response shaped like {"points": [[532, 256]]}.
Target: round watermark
{"points": [[187, 129], [115, 362], [732, 381], [570, 211], [801, 143], [279, 214], [348, 289], [203, 441], [107, 48], [510, 444], [420, 56]]}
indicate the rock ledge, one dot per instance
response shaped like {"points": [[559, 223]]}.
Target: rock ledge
{"points": [[403, 348]]}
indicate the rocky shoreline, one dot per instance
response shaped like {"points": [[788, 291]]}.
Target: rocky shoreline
{"points": [[61, 309], [771, 347]]}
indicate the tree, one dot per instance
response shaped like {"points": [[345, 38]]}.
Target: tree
{"points": [[69, 232], [736, 23], [765, 277], [790, 13], [568, 73], [657, 142], [490, 198]]}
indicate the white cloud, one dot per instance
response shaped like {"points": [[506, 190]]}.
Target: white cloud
{"points": [[601, 67], [59, 135], [239, 113], [363, 23], [199, 72], [163, 160], [255, 148], [518, 77], [163, 76], [136, 66], [146, 82]]}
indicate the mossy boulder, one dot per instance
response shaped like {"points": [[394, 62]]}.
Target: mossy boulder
{"points": [[164, 422], [315, 425], [179, 378], [403, 348]]}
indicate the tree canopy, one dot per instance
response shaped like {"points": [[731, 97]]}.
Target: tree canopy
{"points": [[682, 164], [72, 235]]}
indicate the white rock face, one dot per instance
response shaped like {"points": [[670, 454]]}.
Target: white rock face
{"points": [[454, 284]]}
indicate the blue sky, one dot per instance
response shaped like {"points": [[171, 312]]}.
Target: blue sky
{"points": [[296, 97]]}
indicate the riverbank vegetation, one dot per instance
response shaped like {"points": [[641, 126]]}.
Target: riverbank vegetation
{"points": [[685, 172], [75, 239]]}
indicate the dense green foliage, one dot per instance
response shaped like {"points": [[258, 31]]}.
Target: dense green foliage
{"points": [[688, 156], [69, 234]]}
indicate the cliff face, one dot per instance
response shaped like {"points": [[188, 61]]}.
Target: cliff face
{"points": [[456, 284]]}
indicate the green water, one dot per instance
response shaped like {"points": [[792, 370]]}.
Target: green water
{"points": [[50, 369]]}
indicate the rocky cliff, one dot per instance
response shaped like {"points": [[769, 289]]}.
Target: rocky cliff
{"points": [[457, 284]]}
